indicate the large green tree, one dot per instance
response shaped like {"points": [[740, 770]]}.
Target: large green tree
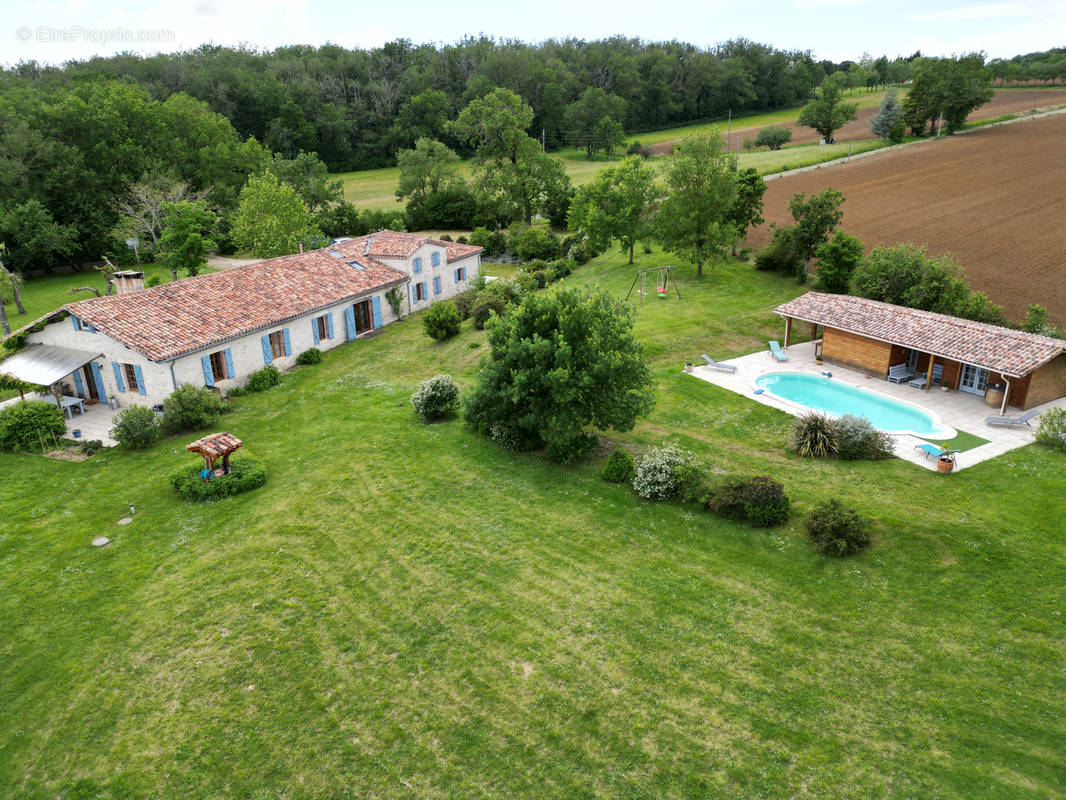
{"points": [[33, 240], [952, 87], [838, 259], [828, 112], [271, 219], [816, 218], [746, 211], [560, 362], [617, 205], [426, 168], [693, 220], [594, 120], [306, 173], [187, 237], [888, 121]]}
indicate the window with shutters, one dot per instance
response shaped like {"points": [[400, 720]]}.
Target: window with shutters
{"points": [[322, 326], [418, 265], [218, 365], [435, 259], [420, 292], [130, 374], [460, 274], [277, 344]]}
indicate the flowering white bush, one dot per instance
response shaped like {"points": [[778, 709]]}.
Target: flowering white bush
{"points": [[656, 471], [436, 398]]}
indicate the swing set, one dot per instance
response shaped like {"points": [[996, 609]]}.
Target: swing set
{"points": [[662, 287]]}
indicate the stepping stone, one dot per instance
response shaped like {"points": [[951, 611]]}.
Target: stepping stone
{"points": [[125, 521], [100, 541]]}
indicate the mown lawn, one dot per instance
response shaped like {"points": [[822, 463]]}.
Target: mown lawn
{"points": [[408, 611]]}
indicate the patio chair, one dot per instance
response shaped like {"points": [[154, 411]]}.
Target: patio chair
{"points": [[898, 373], [1023, 419], [938, 374], [718, 364], [931, 450], [777, 352]]}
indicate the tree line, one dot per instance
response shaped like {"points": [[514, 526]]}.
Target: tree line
{"points": [[357, 108]]}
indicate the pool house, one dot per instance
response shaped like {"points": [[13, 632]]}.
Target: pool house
{"points": [[1007, 367]]}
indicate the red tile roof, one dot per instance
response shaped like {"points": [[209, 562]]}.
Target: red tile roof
{"points": [[1013, 353], [395, 244], [167, 321]]}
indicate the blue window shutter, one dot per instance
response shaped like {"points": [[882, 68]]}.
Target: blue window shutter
{"points": [[457, 276], [418, 265], [375, 308], [435, 258], [329, 324], [77, 383], [349, 322], [119, 383], [75, 322], [91, 329], [314, 329], [98, 378], [436, 284], [288, 343], [229, 363], [209, 374], [267, 355], [425, 290], [140, 379]]}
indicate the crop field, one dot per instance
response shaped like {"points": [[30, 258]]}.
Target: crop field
{"points": [[992, 197]]}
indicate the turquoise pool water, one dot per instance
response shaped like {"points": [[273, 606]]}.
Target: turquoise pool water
{"points": [[829, 396]]}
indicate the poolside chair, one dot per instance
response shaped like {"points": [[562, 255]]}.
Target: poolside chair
{"points": [[777, 352], [931, 450], [1011, 421], [718, 364], [938, 374], [898, 373]]}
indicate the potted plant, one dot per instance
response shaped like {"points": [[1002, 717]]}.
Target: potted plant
{"points": [[689, 366], [945, 462]]}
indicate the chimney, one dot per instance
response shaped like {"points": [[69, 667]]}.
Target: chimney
{"points": [[128, 281]]}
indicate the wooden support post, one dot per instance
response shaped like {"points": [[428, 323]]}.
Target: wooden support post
{"points": [[929, 374], [1006, 397], [788, 331], [225, 464]]}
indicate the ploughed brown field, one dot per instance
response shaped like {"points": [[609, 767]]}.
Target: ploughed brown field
{"points": [[996, 198]]}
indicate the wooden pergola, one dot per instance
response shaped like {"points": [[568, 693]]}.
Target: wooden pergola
{"points": [[215, 446]]}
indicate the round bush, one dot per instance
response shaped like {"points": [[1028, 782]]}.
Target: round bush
{"points": [[1052, 430], [245, 474], [30, 425], [191, 407], [813, 435], [838, 530], [465, 302], [136, 427], [655, 474], [513, 438], [311, 355], [619, 467], [540, 278], [441, 321], [263, 379], [483, 310], [760, 500], [567, 451], [857, 438], [436, 398], [692, 486]]}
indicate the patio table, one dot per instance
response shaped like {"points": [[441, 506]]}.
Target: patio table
{"points": [[69, 404]]}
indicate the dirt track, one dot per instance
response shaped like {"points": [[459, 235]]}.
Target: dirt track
{"points": [[1005, 101], [996, 198]]}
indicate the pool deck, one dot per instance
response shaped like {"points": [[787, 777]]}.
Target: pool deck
{"points": [[960, 410]]}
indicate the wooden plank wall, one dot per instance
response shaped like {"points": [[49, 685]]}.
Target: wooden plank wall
{"points": [[1046, 383], [857, 352]]}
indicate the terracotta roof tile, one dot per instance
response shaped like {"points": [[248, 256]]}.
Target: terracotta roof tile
{"points": [[1014, 353], [395, 244], [167, 321]]}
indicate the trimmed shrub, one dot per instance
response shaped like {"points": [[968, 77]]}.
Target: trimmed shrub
{"points": [[244, 475], [510, 437], [536, 242], [190, 407], [311, 355], [1052, 430], [436, 398], [31, 425], [693, 488], [656, 472], [444, 237], [560, 269], [579, 254], [92, 447], [262, 379], [618, 468], [465, 302], [759, 500], [153, 280], [136, 427], [813, 435], [483, 310], [567, 451], [857, 438], [494, 242], [838, 530], [441, 321]]}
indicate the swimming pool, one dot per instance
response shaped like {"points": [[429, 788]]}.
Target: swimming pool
{"points": [[835, 398]]}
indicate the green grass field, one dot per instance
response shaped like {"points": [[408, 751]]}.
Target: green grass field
{"points": [[408, 611]]}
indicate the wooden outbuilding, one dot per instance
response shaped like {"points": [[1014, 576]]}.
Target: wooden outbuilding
{"points": [[973, 356]]}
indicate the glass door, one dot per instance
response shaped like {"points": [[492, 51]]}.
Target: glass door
{"points": [[973, 379]]}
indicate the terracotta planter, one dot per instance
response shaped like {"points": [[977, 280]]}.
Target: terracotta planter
{"points": [[945, 465], [689, 367]]}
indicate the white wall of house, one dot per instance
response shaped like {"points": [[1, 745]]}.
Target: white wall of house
{"points": [[439, 281], [245, 352]]}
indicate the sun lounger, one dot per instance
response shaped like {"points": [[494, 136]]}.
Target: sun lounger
{"points": [[1011, 421], [931, 450], [777, 352], [898, 373], [938, 374], [718, 364]]}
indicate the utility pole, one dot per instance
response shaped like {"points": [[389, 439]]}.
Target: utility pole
{"points": [[728, 130], [851, 138]]}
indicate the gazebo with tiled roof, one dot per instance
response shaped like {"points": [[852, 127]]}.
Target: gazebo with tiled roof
{"points": [[215, 446]]}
